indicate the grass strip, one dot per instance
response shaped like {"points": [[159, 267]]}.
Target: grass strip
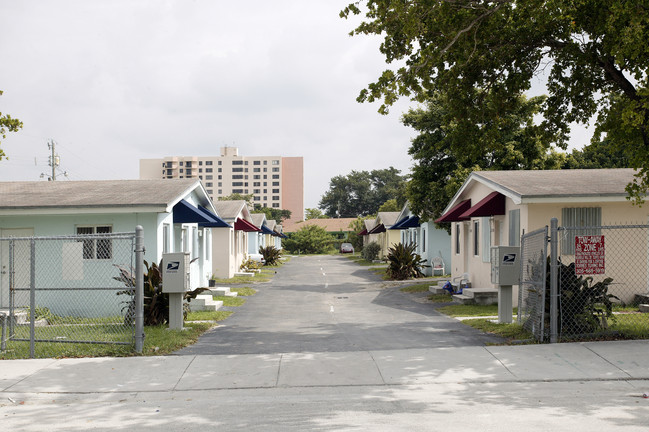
{"points": [[230, 301], [512, 332]]}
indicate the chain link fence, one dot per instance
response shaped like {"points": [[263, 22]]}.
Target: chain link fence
{"points": [[63, 296], [532, 290], [603, 281]]}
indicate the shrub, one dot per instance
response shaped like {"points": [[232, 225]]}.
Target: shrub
{"points": [[250, 265], [271, 255], [310, 239], [371, 251], [404, 263]]}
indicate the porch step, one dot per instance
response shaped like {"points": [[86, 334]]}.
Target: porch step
{"points": [[481, 296], [244, 273], [435, 289], [205, 302], [223, 291]]}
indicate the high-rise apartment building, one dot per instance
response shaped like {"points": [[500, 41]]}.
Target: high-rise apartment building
{"points": [[274, 181]]}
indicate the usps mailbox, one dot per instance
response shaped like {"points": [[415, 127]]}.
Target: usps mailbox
{"points": [[175, 272], [505, 272], [505, 265]]}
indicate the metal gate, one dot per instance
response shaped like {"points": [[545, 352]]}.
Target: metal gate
{"points": [[65, 296], [532, 289]]}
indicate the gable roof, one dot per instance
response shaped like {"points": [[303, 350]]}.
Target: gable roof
{"points": [[159, 194], [387, 218], [258, 219], [329, 224], [538, 186]]}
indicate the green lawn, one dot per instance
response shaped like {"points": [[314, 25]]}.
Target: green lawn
{"points": [[230, 301]]}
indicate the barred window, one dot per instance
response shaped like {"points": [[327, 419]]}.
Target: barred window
{"points": [[100, 248], [589, 218]]}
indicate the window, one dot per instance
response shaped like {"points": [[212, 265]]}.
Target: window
{"points": [[237, 177], [181, 163], [476, 237], [265, 176], [275, 176], [457, 238], [219, 162], [220, 184], [200, 170], [209, 191], [239, 191], [256, 169], [423, 239], [219, 177], [237, 162], [590, 217], [237, 183], [275, 190], [181, 170], [256, 184], [166, 238], [207, 170], [515, 227], [188, 172], [257, 198], [265, 183], [275, 198], [209, 177], [200, 163], [219, 170], [208, 163], [265, 169], [486, 240], [220, 192], [200, 177], [275, 169], [256, 177], [256, 191], [209, 184], [265, 191], [275, 183], [276, 162], [188, 164], [265, 162], [237, 169], [276, 205], [256, 163], [100, 248]]}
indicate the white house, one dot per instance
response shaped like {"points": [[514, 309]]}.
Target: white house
{"points": [[430, 241], [231, 245], [496, 207], [174, 214]]}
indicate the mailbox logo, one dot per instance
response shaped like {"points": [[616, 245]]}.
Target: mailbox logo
{"points": [[172, 266], [509, 259]]}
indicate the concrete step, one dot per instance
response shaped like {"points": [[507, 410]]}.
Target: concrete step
{"points": [[223, 291], [205, 302], [244, 273], [437, 290], [463, 299], [482, 296]]}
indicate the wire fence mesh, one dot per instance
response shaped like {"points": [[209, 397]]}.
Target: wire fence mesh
{"points": [[62, 296], [532, 290], [603, 281]]}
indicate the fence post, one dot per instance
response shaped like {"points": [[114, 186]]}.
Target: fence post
{"points": [[139, 289], [32, 298], [554, 280]]}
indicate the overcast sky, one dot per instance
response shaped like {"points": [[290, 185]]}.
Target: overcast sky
{"points": [[114, 81]]}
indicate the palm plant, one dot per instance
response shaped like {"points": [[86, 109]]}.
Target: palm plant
{"points": [[404, 262]]}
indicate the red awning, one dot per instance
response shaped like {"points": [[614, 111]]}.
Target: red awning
{"points": [[244, 225], [491, 205], [377, 229], [454, 214]]}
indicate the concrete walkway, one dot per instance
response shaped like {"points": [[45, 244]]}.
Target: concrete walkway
{"points": [[603, 361]]}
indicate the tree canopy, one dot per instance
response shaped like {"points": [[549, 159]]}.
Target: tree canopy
{"points": [[310, 239], [278, 215], [443, 160], [485, 54], [361, 193], [313, 213], [7, 124]]}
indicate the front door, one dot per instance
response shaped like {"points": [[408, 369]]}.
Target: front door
{"points": [[21, 266]]}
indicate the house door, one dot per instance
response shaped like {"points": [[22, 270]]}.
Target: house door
{"points": [[21, 265]]}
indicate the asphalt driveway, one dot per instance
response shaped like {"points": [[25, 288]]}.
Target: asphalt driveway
{"points": [[330, 304]]}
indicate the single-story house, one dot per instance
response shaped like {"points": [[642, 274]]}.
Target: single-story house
{"points": [[231, 245], [431, 242], [257, 239], [382, 234], [274, 235], [176, 215], [496, 207], [365, 233]]}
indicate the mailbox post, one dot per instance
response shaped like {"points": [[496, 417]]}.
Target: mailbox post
{"points": [[175, 282], [505, 272]]}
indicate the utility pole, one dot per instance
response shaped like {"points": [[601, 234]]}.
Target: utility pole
{"points": [[54, 159]]}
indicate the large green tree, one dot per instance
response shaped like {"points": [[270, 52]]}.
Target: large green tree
{"points": [[276, 214], [7, 124], [443, 160], [484, 53], [361, 193], [309, 239]]}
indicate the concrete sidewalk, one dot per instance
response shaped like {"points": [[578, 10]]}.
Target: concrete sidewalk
{"points": [[591, 361]]}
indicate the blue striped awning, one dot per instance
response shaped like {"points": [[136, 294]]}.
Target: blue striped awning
{"points": [[184, 212]]}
